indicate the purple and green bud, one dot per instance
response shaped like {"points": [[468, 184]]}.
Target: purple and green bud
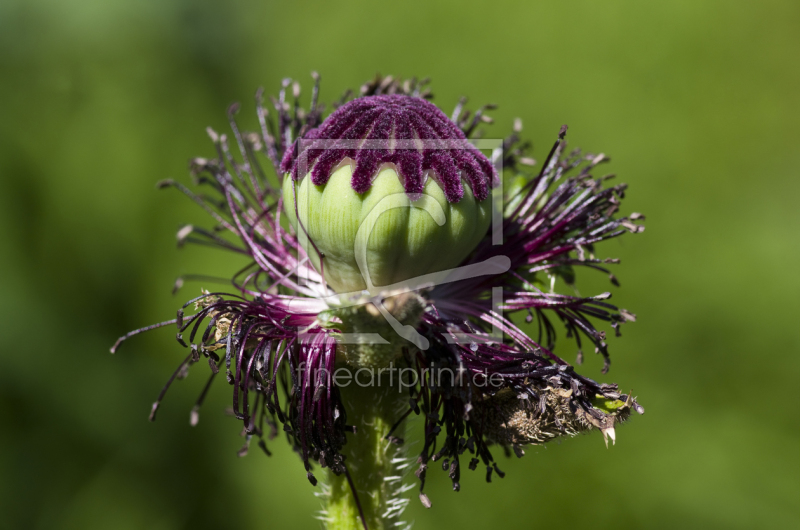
{"points": [[385, 190], [389, 180]]}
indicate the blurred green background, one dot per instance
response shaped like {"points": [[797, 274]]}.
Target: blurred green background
{"points": [[697, 102]]}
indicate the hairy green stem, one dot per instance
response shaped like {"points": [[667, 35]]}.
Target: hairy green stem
{"points": [[372, 461]]}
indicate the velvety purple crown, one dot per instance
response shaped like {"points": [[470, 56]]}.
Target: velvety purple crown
{"points": [[374, 130]]}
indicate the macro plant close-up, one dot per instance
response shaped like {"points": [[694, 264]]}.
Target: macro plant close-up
{"points": [[369, 266], [392, 234]]}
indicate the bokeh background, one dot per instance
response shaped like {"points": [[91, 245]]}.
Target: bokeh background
{"points": [[696, 101]]}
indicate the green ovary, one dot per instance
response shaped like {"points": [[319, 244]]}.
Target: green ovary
{"points": [[404, 242]]}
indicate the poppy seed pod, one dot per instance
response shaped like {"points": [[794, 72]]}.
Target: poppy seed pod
{"points": [[386, 189], [382, 195]]}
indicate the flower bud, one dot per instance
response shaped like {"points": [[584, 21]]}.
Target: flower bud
{"points": [[379, 191]]}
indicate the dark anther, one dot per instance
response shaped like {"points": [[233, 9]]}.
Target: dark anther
{"points": [[213, 365], [497, 470], [263, 445]]}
